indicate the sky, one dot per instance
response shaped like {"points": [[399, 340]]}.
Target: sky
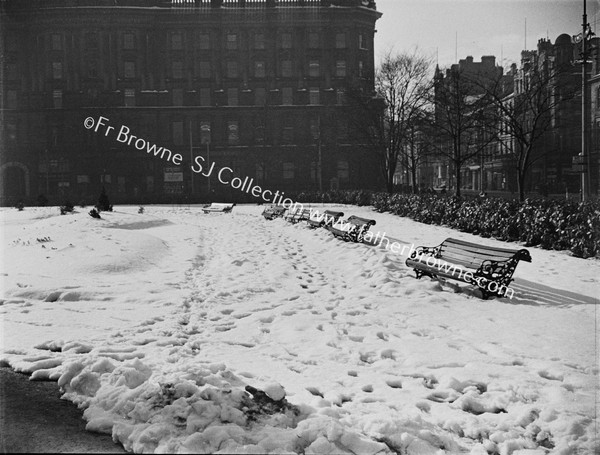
{"points": [[447, 29]]}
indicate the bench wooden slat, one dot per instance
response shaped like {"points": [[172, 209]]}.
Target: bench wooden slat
{"points": [[458, 255]]}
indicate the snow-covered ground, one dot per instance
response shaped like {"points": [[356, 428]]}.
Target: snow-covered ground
{"points": [[155, 323]]}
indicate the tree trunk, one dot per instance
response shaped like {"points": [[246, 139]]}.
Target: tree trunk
{"points": [[521, 184], [413, 173], [458, 181]]}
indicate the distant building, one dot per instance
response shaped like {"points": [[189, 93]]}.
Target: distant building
{"points": [[257, 86], [552, 171]]}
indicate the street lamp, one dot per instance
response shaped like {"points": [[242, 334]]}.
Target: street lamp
{"points": [[585, 36]]}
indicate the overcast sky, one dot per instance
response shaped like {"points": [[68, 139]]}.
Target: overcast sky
{"points": [[483, 27]]}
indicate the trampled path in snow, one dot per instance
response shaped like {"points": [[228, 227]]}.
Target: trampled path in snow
{"points": [[124, 310]]}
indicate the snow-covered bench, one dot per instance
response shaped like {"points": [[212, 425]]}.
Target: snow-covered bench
{"points": [[489, 268], [323, 219], [216, 207], [354, 228], [272, 212], [296, 215]]}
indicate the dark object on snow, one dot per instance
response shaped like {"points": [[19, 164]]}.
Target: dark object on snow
{"points": [[94, 213], [261, 404], [67, 207], [20, 206], [103, 202], [141, 210]]}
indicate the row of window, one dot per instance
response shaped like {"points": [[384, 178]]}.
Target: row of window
{"points": [[205, 70], [289, 171], [288, 97], [289, 132], [232, 132], [232, 40]]}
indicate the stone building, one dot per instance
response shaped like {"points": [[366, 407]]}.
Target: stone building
{"points": [[257, 86]]}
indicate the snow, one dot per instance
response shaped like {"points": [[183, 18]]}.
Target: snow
{"points": [[178, 331]]}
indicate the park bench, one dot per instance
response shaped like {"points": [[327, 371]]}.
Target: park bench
{"points": [[354, 228], [324, 219], [489, 268], [296, 215], [272, 212], [216, 207]]}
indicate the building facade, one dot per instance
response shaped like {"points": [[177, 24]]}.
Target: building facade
{"points": [[257, 86]]}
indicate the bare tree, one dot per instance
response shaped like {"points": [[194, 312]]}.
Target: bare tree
{"points": [[464, 121], [527, 113], [402, 86]]}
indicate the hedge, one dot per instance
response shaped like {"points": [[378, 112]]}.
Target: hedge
{"points": [[549, 224]]}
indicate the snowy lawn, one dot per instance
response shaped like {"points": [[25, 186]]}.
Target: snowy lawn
{"points": [[155, 323]]}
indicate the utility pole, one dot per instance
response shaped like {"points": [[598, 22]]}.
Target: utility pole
{"points": [[320, 159], [585, 156]]}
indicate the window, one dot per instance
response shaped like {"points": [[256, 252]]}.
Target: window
{"points": [[343, 171], [205, 97], [11, 99], [129, 97], [315, 130], [361, 69], [340, 96], [314, 68], [56, 42], [91, 40], [128, 40], [286, 40], [205, 70], [259, 130], [342, 129], [287, 96], [205, 130], [287, 136], [150, 183], [259, 69], [598, 98], [313, 171], [233, 136], [177, 97], [362, 41], [340, 68], [57, 70], [286, 68], [260, 96], [129, 69], [232, 97], [11, 72], [11, 131], [313, 40], [177, 133], [57, 98], [259, 41], [314, 96], [340, 41], [204, 41], [288, 171], [260, 172], [232, 69], [231, 42], [92, 68], [177, 41], [177, 68]]}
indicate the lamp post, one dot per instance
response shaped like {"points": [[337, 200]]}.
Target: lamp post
{"points": [[585, 156]]}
